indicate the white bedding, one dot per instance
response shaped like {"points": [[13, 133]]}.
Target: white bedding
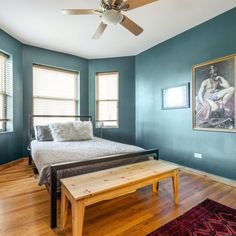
{"points": [[47, 153]]}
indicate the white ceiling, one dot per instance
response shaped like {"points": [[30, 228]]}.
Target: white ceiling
{"points": [[40, 23]]}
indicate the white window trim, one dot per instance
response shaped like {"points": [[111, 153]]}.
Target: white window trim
{"points": [[107, 100], [5, 94], [77, 88]]}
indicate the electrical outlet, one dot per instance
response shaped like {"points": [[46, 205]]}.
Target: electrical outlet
{"points": [[198, 155]]}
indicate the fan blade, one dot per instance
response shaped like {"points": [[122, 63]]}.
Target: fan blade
{"points": [[138, 3], [131, 26], [101, 28], [79, 11]]}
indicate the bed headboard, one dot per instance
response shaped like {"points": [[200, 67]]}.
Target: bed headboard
{"points": [[32, 117]]}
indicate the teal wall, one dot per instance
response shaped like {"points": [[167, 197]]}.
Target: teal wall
{"points": [[169, 64], [11, 142], [34, 55], [126, 68]]}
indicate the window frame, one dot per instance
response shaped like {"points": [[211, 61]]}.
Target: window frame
{"points": [[107, 100], [77, 89], [5, 95]]}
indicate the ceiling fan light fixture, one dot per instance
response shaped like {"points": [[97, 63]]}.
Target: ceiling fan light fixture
{"points": [[112, 17]]}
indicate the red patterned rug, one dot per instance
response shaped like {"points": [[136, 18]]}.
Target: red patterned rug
{"points": [[208, 218]]}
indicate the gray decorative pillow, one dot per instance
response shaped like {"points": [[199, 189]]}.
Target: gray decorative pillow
{"points": [[43, 133]]}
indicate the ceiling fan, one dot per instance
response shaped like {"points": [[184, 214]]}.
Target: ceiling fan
{"points": [[111, 14]]}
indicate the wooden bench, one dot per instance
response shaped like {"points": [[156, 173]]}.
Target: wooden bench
{"points": [[87, 189]]}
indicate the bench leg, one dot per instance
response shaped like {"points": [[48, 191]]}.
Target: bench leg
{"points": [[175, 183], [64, 208], [78, 208], [154, 187]]}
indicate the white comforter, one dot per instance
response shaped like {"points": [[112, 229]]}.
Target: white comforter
{"points": [[45, 154]]}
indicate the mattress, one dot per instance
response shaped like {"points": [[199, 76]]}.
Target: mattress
{"points": [[47, 153]]}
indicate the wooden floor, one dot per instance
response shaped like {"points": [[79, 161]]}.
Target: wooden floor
{"points": [[24, 206]]}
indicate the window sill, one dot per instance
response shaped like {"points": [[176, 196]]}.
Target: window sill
{"points": [[108, 127], [6, 132]]}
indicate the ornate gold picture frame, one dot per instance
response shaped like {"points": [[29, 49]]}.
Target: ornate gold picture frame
{"points": [[213, 95]]}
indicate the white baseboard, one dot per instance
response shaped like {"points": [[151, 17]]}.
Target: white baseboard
{"points": [[216, 178]]}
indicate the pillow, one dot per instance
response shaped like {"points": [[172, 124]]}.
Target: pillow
{"points": [[72, 131], [43, 133], [83, 130], [61, 131]]}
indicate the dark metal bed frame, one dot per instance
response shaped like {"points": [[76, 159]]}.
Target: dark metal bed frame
{"points": [[52, 188]]}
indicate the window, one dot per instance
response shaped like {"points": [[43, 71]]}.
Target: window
{"points": [[5, 91], [55, 92], [107, 99]]}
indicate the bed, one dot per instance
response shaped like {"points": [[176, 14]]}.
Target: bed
{"points": [[56, 160]]}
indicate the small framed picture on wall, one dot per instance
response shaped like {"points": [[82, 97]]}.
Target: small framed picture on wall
{"points": [[176, 97], [214, 95]]}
